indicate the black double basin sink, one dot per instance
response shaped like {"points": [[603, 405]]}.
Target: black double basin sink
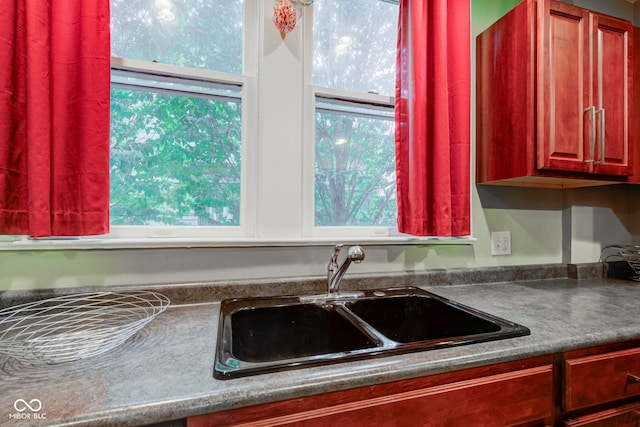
{"points": [[260, 335]]}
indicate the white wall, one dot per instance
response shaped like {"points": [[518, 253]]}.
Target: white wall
{"points": [[547, 226]]}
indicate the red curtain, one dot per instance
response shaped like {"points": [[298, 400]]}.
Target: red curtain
{"points": [[54, 117], [433, 117]]}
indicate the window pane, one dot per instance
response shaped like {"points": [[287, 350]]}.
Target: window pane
{"points": [[192, 33], [175, 159], [354, 45], [354, 167]]}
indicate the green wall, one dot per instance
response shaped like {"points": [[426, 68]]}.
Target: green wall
{"points": [[486, 12], [547, 226]]}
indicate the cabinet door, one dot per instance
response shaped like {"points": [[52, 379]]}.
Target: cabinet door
{"points": [[564, 89], [611, 93], [585, 94]]}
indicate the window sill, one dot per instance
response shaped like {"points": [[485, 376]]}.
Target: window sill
{"points": [[89, 243]]}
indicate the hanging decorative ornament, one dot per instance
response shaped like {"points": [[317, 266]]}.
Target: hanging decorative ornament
{"points": [[285, 16]]}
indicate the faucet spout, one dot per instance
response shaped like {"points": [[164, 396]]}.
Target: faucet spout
{"points": [[335, 273]]}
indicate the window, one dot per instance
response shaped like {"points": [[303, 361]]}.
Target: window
{"points": [[200, 135], [176, 113], [354, 165], [175, 153], [179, 32], [354, 45]]}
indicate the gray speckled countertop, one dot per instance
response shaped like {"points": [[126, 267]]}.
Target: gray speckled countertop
{"points": [[165, 371]]}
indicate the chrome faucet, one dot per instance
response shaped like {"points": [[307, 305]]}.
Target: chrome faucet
{"points": [[335, 272]]}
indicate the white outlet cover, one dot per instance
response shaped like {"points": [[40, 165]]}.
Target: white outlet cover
{"points": [[500, 243]]}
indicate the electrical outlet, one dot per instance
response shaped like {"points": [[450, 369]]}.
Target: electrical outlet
{"points": [[500, 243]]}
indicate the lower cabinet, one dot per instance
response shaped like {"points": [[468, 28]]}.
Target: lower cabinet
{"points": [[594, 387], [595, 378], [502, 395]]}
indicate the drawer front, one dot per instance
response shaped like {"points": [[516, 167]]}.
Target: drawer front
{"points": [[505, 399], [625, 416], [601, 378]]}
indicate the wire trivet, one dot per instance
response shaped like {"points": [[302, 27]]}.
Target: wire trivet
{"points": [[77, 326]]}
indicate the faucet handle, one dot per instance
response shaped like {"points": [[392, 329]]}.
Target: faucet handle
{"points": [[336, 252], [333, 261]]}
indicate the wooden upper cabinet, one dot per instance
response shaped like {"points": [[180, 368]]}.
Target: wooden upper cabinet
{"points": [[554, 91]]}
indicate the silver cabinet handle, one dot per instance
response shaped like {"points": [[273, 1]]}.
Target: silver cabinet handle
{"points": [[593, 134], [601, 111]]}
